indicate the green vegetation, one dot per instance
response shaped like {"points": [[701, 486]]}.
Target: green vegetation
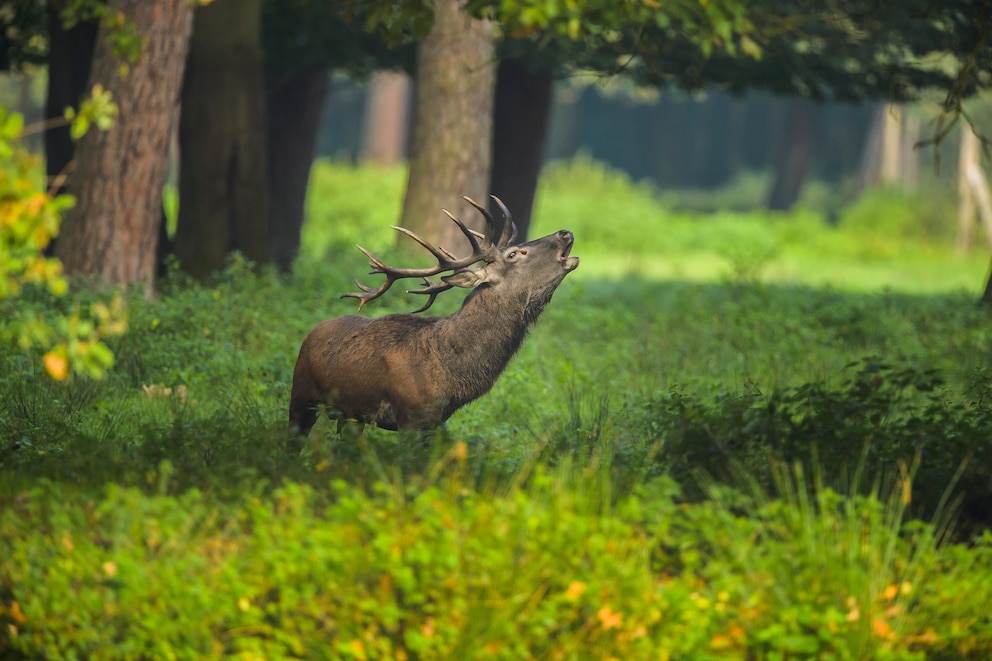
{"points": [[722, 463], [29, 220]]}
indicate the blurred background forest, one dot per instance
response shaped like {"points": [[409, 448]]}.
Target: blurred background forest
{"points": [[704, 151]]}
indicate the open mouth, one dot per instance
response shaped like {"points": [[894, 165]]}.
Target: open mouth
{"points": [[569, 262]]}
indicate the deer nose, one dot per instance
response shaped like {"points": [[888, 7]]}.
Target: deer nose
{"points": [[565, 235]]}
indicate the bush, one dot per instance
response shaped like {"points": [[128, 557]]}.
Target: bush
{"points": [[882, 421], [891, 215], [444, 571]]}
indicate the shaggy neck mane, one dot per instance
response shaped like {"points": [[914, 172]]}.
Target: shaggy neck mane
{"points": [[481, 338]]}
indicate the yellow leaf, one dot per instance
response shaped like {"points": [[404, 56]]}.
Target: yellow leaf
{"points": [[56, 363], [854, 613], [358, 648], [575, 590], [17, 614], [609, 618], [881, 628]]}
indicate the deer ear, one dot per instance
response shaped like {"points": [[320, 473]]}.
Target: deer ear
{"points": [[468, 279]]}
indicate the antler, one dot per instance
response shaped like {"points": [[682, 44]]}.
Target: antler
{"points": [[486, 251]]}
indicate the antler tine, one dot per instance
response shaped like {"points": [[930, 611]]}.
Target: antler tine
{"points": [[432, 289], [490, 221], [509, 234], [469, 234], [368, 294], [445, 262], [393, 274]]}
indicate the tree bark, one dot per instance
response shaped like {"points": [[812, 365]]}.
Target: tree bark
{"points": [[451, 142], [113, 230], [224, 203], [802, 128], [890, 156], [968, 156], [520, 121], [384, 142], [294, 104]]}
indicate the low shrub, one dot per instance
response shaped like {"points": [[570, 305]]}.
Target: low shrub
{"points": [[443, 570], [440, 573], [880, 421]]}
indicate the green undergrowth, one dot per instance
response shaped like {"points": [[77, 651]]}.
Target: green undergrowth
{"points": [[633, 485], [730, 466], [554, 566]]}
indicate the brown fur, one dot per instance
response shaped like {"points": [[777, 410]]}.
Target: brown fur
{"points": [[403, 371]]}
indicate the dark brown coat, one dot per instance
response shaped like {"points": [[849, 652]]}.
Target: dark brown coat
{"points": [[404, 371]]}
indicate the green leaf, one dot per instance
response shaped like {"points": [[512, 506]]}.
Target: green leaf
{"points": [[79, 127], [14, 125], [751, 48]]}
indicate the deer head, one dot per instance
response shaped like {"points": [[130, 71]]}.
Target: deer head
{"points": [[504, 263], [408, 371]]}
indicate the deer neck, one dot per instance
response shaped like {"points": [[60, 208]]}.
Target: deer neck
{"points": [[480, 339]]}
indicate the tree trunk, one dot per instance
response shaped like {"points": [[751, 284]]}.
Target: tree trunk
{"points": [[294, 105], [520, 121], [70, 54], [909, 161], [890, 156], [450, 148], [891, 145], [974, 197], [384, 142], [113, 230], [802, 129], [986, 299], [224, 203]]}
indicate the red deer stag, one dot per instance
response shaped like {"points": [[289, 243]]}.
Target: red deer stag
{"points": [[403, 371]]}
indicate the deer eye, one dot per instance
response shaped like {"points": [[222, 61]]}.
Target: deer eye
{"points": [[512, 254]]}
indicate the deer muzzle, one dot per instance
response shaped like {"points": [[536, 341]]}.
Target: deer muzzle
{"points": [[568, 262]]}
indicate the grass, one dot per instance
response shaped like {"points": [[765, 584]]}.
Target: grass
{"points": [[633, 485], [885, 240]]}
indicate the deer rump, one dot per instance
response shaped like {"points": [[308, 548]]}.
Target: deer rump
{"points": [[404, 371]]}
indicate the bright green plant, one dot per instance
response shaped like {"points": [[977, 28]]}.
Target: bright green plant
{"points": [[29, 220], [828, 575], [552, 565]]}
